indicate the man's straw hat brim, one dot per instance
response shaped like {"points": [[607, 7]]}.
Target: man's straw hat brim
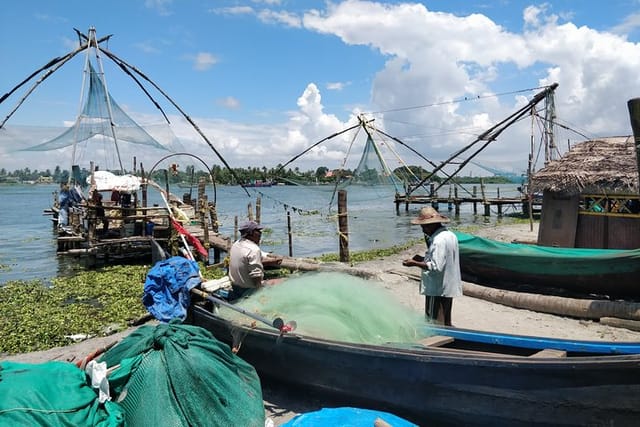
{"points": [[429, 215]]}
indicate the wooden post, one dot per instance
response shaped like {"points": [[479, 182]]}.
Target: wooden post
{"points": [[144, 187], [235, 227], [203, 202], [250, 211], [258, 209], [213, 217], [343, 226], [289, 233], [475, 195]]}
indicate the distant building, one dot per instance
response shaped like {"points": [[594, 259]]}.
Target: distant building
{"points": [[45, 180]]}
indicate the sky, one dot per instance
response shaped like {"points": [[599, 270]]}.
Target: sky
{"points": [[265, 80]]}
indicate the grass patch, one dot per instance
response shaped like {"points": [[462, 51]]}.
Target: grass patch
{"points": [[94, 303], [370, 255]]}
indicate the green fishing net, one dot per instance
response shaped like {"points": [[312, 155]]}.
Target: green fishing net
{"points": [[52, 394], [180, 375], [336, 306]]}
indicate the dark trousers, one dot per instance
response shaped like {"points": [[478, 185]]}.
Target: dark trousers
{"points": [[438, 309], [238, 292]]}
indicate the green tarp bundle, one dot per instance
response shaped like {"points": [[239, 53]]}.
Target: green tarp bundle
{"points": [[52, 394], [180, 375], [545, 260]]}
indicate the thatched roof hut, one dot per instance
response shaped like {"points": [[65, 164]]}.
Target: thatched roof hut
{"points": [[599, 166], [590, 196]]}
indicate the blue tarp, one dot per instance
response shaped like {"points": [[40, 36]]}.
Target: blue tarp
{"points": [[346, 417], [167, 287]]}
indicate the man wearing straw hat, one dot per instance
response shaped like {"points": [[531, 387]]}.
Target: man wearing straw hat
{"points": [[441, 281]]}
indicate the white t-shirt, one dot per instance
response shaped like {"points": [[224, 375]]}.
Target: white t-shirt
{"points": [[442, 277], [245, 263]]}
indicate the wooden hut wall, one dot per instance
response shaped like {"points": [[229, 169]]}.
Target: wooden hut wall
{"points": [[558, 220], [607, 231]]}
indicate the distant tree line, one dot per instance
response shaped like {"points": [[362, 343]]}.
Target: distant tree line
{"points": [[247, 175]]}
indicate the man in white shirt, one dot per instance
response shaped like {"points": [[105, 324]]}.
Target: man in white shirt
{"points": [[441, 279], [247, 261]]}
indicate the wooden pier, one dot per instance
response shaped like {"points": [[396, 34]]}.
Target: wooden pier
{"points": [[454, 201]]}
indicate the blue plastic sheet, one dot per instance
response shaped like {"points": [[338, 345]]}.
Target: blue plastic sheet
{"points": [[346, 417]]}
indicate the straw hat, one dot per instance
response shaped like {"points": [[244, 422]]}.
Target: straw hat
{"points": [[429, 215]]}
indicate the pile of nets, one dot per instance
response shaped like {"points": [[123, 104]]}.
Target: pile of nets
{"points": [[52, 394], [337, 306], [173, 374]]}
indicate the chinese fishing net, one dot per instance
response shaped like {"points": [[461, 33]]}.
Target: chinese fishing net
{"points": [[339, 307], [180, 375], [372, 169], [52, 394], [93, 131]]}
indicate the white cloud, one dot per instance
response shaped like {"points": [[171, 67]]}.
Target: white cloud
{"points": [[337, 85], [160, 6], [630, 24], [281, 17], [203, 61], [229, 102], [234, 10], [434, 57]]}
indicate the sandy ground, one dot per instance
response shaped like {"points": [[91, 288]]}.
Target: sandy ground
{"points": [[282, 404]]}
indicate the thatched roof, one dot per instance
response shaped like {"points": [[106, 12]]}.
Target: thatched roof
{"points": [[600, 166]]}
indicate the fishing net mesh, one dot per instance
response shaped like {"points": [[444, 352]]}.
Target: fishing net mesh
{"points": [[372, 169], [52, 394], [337, 306], [178, 375], [92, 131]]}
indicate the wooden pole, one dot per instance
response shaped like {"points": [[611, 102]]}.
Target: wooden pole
{"points": [[144, 187], [213, 217], [289, 233], [250, 211], [343, 226], [235, 227], [258, 209], [475, 195]]}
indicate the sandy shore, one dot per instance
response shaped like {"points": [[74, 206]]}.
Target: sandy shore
{"points": [[282, 404]]}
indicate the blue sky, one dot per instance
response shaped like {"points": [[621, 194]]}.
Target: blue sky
{"points": [[264, 80]]}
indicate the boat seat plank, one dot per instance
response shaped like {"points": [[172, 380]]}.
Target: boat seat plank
{"points": [[436, 341], [549, 352]]}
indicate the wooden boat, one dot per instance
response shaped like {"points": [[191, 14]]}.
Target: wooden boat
{"points": [[456, 377], [258, 183], [576, 271]]}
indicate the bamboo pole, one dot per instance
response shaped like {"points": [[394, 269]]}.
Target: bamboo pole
{"points": [[289, 234], [571, 307]]}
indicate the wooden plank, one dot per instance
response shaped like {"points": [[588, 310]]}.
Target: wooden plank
{"points": [[550, 353], [436, 341]]}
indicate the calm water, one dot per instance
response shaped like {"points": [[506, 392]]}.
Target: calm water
{"points": [[28, 250]]}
